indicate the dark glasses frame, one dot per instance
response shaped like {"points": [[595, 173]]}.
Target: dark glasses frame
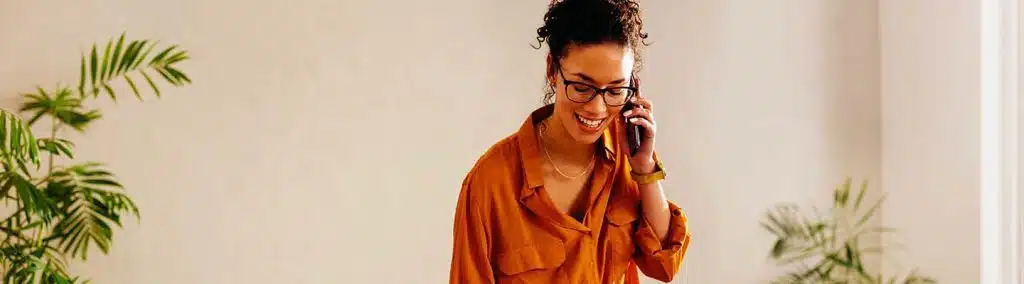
{"points": [[597, 91]]}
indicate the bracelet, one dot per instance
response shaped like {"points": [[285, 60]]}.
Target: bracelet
{"points": [[658, 174]]}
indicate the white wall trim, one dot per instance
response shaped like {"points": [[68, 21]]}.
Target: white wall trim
{"points": [[1010, 146], [1000, 216], [1011, 118]]}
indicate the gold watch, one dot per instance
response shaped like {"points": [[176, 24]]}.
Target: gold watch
{"points": [[658, 174]]}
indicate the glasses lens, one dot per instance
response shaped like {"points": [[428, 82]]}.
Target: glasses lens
{"points": [[617, 96], [579, 93]]}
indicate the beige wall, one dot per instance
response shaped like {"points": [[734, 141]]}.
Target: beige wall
{"points": [[302, 153], [774, 103], [931, 136]]}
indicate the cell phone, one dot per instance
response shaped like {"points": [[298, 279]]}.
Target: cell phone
{"points": [[634, 133]]}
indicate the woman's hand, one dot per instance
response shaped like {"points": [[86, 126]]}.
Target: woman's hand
{"points": [[642, 114]]}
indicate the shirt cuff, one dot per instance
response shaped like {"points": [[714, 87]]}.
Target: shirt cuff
{"points": [[678, 235]]}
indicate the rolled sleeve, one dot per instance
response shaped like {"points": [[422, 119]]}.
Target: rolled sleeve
{"points": [[662, 260]]}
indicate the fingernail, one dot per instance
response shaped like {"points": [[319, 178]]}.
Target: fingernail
{"points": [[627, 113], [633, 119]]}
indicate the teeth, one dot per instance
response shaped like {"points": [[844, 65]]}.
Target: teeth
{"points": [[588, 122]]}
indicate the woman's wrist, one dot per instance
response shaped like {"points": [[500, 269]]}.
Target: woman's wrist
{"points": [[645, 168], [649, 175]]}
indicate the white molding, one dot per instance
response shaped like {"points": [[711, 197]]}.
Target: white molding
{"points": [[1010, 147], [1014, 243], [1000, 147]]}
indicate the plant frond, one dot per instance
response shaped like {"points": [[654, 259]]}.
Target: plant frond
{"points": [[94, 203], [123, 57], [17, 143], [61, 105], [60, 213], [57, 146], [830, 240]]}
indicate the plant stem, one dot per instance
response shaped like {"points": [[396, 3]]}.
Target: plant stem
{"points": [[53, 139], [38, 241]]}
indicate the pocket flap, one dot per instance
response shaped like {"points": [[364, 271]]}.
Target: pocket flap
{"points": [[531, 257], [622, 213]]}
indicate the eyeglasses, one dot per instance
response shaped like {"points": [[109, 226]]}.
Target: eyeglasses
{"points": [[584, 93]]}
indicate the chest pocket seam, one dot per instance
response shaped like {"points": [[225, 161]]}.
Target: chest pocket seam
{"points": [[622, 216], [622, 213], [541, 255]]}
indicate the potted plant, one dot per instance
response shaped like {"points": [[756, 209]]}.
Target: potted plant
{"points": [[829, 246], [60, 212]]}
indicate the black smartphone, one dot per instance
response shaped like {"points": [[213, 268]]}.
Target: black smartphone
{"points": [[634, 133]]}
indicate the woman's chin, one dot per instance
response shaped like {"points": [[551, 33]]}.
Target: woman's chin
{"points": [[586, 138]]}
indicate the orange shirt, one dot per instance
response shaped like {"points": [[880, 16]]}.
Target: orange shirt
{"points": [[507, 229]]}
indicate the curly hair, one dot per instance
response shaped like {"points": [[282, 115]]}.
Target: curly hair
{"points": [[584, 22]]}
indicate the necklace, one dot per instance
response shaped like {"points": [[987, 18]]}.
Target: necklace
{"points": [[540, 135]]}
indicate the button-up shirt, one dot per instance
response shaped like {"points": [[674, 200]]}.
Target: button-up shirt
{"points": [[508, 230]]}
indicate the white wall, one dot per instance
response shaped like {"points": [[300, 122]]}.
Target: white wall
{"points": [[302, 153], [931, 133]]}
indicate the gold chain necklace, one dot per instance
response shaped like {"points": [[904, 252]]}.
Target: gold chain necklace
{"points": [[540, 135]]}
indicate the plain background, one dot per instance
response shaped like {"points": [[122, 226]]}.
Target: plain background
{"points": [[325, 141]]}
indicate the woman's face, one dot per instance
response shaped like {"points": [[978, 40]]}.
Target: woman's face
{"points": [[602, 66]]}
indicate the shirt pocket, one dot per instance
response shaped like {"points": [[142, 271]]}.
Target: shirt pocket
{"points": [[622, 218], [535, 263]]}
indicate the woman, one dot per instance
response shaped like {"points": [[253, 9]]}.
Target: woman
{"points": [[562, 200]]}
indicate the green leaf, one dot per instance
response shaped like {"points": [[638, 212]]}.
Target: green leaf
{"points": [[135, 90], [178, 57], [860, 196], [167, 76], [105, 63], [115, 57], [179, 78], [871, 212], [149, 80], [128, 57], [81, 78], [142, 57], [110, 92], [92, 66], [159, 58], [32, 199]]}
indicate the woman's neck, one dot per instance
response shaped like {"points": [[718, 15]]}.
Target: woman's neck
{"points": [[562, 146]]}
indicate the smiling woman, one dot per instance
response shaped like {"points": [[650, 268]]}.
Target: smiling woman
{"points": [[564, 199]]}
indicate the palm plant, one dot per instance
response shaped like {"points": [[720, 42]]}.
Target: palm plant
{"points": [[828, 247], [61, 212]]}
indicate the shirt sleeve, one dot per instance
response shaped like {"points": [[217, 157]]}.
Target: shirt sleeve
{"points": [[471, 249], [657, 259]]}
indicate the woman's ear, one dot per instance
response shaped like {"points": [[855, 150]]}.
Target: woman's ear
{"points": [[550, 66]]}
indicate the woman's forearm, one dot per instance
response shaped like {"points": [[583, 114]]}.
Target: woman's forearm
{"points": [[655, 208]]}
